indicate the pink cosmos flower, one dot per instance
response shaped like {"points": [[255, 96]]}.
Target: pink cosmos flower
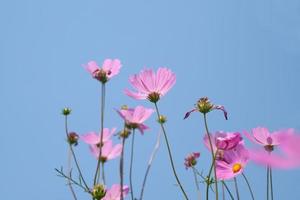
{"points": [[108, 151], [191, 159], [109, 69], [151, 86], [224, 140], [233, 163], [114, 193], [93, 138], [135, 117]]}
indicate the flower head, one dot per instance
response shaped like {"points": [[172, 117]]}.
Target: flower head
{"points": [[93, 138], [204, 106], [73, 138], [135, 117], [98, 191], [191, 159], [114, 193], [109, 69], [233, 162], [151, 85], [108, 151]]}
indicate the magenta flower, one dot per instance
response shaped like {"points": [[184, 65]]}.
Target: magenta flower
{"points": [[204, 106], [233, 163], [93, 138], [151, 86], [109, 69], [114, 193], [135, 117], [191, 159], [108, 151], [224, 140]]}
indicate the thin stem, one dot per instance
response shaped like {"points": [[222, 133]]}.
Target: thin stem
{"points": [[236, 188], [226, 187], [197, 183], [268, 182], [74, 156], [69, 170], [103, 172], [248, 184], [223, 192], [150, 163], [213, 160], [96, 180], [122, 167], [271, 182], [170, 154], [131, 163]]}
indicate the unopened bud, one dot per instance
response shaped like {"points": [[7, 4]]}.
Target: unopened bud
{"points": [[124, 133], [162, 119], [98, 192], [66, 111], [73, 138]]}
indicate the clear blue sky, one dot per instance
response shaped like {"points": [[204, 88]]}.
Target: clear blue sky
{"points": [[242, 54]]}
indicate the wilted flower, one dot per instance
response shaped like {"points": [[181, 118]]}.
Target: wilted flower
{"points": [[135, 117], [93, 138], [109, 69], [151, 86], [73, 138], [233, 162], [114, 193], [204, 106], [108, 151], [191, 159]]}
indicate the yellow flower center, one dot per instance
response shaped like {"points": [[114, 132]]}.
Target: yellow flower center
{"points": [[236, 167]]}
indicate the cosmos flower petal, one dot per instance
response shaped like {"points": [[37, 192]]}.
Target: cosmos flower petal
{"points": [[90, 138]]}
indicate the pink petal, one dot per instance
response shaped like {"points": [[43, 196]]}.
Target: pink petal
{"points": [[134, 95], [115, 152], [261, 134], [106, 66], [90, 138], [92, 67]]}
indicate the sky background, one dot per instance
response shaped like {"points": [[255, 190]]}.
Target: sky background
{"points": [[242, 54]]}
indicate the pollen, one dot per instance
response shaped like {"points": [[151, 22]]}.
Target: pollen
{"points": [[236, 167]]}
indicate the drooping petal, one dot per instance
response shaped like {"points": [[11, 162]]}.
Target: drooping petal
{"points": [[222, 108], [189, 112], [135, 95]]}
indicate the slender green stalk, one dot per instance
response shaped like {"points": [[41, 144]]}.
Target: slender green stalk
{"points": [[103, 173], [196, 183], [236, 188], [122, 167], [213, 159], [69, 170], [150, 163], [74, 156], [271, 182], [226, 187], [131, 163], [170, 154], [223, 192], [268, 171], [248, 184], [96, 180]]}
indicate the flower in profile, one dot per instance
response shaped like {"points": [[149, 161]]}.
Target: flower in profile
{"points": [[262, 136], [114, 193], [191, 159], [135, 117], [73, 138], [108, 152], [109, 69], [233, 163], [204, 106], [151, 85], [94, 139]]}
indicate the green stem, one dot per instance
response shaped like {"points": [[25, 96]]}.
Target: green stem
{"points": [[96, 180], [197, 183], [69, 170], [268, 182], [271, 182], [248, 184], [223, 192], [131, 163], [226, 187], [122, 167], [103, 173], [236, 188], [170, 154], [213, 159], [74, 156]]}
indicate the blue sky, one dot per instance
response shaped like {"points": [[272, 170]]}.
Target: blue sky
{"points": [[242, 54]]}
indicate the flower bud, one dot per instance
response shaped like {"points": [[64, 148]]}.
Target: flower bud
{"points": [[73, 138], [204, 105], [124, 133], [162, 119], [98, 192], [66, 111]]}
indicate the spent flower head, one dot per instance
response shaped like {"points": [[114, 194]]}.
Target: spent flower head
{"points": [[191, 159], [73, 138]]}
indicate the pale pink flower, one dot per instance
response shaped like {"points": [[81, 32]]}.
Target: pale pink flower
{"points": [[114, 193], [151, 85], [191, 159], [93, 138], [109, 69], [108, 151], [135, 117], [223, 140], [233, 163]]}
